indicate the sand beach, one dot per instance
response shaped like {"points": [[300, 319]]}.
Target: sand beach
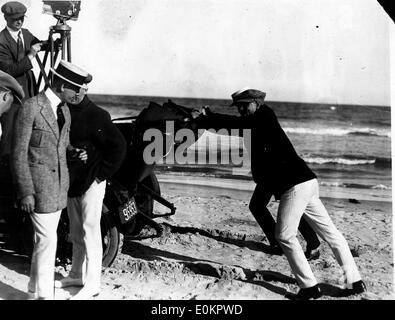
{"points": [[214, 249], [325, 70]]}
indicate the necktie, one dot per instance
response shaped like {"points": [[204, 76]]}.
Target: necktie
{"points": [[60, 115], [20, 50]]}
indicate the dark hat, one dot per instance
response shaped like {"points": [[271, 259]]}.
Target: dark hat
{"points": [[8, 82], [13, 9], [248, 95], [72, 74]]}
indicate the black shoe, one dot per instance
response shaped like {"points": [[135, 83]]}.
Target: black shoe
{"points": [[357, 288], [275, 249], [313, 254], [306, 294]]}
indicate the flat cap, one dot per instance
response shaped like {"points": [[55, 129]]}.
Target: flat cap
{"points": [[9, 82], [248, 95], [13, 9]]}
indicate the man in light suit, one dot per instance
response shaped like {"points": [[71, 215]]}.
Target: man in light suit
{"points": [[41, 138]]}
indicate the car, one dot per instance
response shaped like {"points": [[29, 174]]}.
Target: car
{"points": [[128, 203]]}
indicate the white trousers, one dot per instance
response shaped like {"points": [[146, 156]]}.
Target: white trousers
{"points": [[45, 240], [84, 215], [304, 199]]}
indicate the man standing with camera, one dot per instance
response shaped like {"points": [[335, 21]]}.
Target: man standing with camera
{"points": [[18, 47]]}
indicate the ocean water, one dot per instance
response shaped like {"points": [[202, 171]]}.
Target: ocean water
{"points": [[347, 146]]}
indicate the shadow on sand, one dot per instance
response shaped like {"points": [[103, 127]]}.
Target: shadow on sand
{"points": [[212, 268], [19, 264], [209, 268]]}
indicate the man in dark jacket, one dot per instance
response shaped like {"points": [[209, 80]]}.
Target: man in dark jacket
{"points": [[278, 170], [92, 130], [262, 169], [18, 47]]}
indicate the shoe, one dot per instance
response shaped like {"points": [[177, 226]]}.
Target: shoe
{"points": [[45, 298], [31, 295], [69, 282], [306, 294], [275, 249], [313, 254], [86, 294], [358, 287]]}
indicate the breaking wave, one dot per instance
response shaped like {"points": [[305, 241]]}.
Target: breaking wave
{"points": [[349, 160], [340, 131], [354, 185]]}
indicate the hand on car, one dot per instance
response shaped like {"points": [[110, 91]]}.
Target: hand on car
{"points": [[195, 113], [206, 110]]}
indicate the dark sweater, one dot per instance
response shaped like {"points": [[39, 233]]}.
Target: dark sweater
{"points": [[274, 161], [93, 130]]}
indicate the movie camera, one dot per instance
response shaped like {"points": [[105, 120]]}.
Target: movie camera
{"points": [[62, 11]]}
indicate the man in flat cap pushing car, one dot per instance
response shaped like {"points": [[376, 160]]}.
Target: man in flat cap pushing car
{"points": [[278, 170]]}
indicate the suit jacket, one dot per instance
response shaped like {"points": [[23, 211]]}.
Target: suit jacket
{"points": [[20, 70], [39, 154]]}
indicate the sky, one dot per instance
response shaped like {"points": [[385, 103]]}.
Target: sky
{"points": [[318, 51]]}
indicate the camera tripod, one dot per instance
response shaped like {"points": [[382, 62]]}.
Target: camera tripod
{"points": [[53, 48]]}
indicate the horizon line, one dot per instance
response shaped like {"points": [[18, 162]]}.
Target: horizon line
{"points": [[230, 100]]}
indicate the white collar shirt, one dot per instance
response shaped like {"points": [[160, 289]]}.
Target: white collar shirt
{"points": [[14, 35], [54, 100]]}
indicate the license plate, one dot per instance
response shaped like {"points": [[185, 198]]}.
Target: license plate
{"points": [[128, 211]]}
